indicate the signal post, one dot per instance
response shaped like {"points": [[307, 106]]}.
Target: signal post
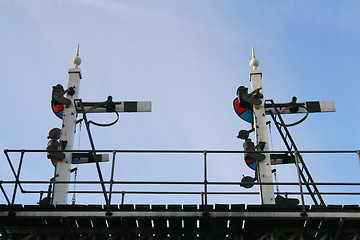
{"points": [[63, 167], [67, 108], [264, 174]]}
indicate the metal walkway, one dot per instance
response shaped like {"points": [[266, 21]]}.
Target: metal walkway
{"points": [[179, 222]]}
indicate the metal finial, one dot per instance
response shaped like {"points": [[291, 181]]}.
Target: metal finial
{"points": [[254, 63], [76, 61], [77, 50]]}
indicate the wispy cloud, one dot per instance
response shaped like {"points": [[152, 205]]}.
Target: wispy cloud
{"points": [[161, 16], [110, 5]]}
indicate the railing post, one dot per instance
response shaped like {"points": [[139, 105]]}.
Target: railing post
{"points": [[296, 153], [17, 177], [205, 179], [122, 198], [11, 165], [4, 193], [111, 182]]}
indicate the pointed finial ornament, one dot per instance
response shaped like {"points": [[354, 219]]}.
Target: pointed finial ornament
{"points": [[254, 63], [76, 61]]}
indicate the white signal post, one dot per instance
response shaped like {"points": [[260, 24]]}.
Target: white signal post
{"points": [[264, 172], [63, 167]]}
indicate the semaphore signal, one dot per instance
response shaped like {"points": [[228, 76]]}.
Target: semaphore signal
{"points": [[66, 108], [252, 108]]}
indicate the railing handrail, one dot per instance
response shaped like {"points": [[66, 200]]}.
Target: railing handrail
{"points": [[18, 183], [178, 151]]}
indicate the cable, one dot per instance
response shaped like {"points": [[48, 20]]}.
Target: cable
{"points": [[79, 134], [272, 149], [73, 200], [106, 124], [271, 140], [110, 107], [295, 123]]}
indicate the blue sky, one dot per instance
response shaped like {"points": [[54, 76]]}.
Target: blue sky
{"points": [[188, 58]]}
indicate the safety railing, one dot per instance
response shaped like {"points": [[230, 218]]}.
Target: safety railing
{"points": [[20, 182]]}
